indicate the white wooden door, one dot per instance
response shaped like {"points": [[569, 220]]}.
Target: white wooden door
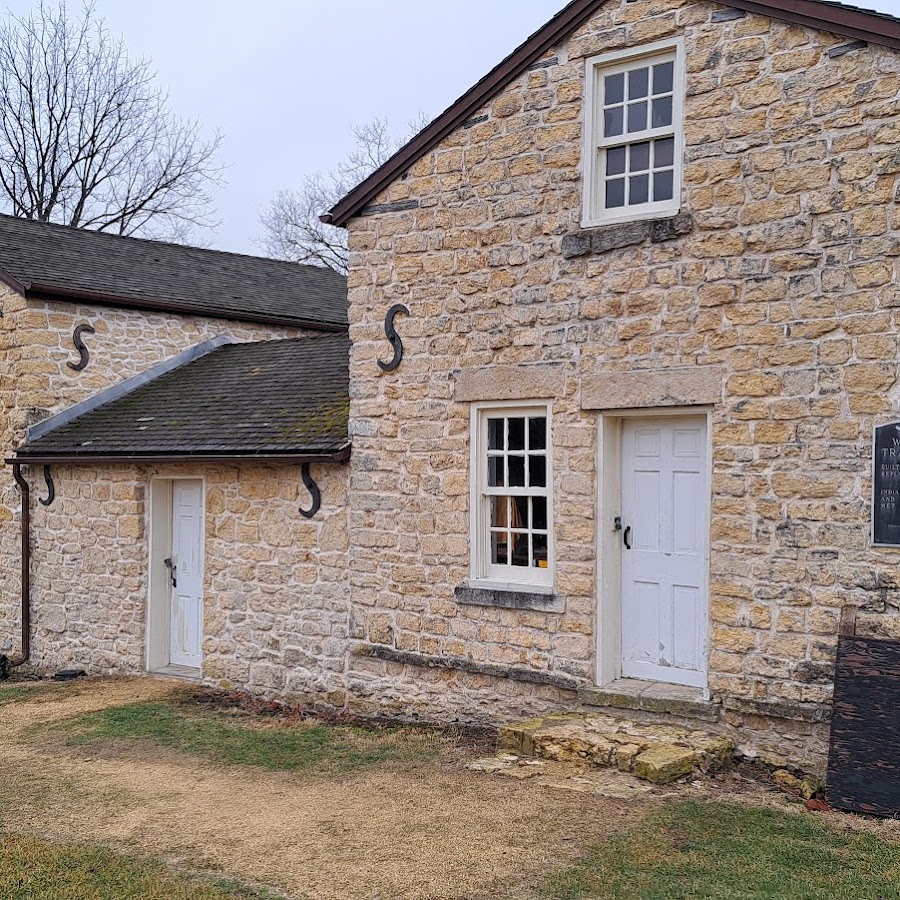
{"points": [[186, 617], [664, 517]]}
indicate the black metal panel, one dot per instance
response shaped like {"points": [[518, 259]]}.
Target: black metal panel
{"points": [[864, 762], [314, 492], [393, 337], [80, 347]]}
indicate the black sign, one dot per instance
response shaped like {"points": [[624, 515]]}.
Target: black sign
{"points": [[886, 486]]}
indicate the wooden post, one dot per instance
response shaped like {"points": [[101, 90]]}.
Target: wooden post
{"points": [[848, 621]]}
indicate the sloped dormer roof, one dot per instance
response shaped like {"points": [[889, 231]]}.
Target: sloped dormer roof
{"points": [[823, 15], [47, 261], [286, 399]]}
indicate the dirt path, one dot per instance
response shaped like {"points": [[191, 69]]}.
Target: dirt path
{"points": [[436, 833]]}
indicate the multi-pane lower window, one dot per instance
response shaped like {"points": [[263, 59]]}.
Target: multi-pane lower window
{"points": [[640, 173], [515, 501]]}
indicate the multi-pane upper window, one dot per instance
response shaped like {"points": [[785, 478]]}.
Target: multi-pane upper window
{"points": [[514, 496], [634, 152]]}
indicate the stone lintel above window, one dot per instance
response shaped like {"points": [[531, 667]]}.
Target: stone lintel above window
{"points": [[510, 599], [524, 382], [591, 241]]}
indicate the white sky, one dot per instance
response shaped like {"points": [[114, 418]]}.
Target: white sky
{"points": [[284, 80]]}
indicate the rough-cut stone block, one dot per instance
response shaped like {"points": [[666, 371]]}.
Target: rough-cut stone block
{"points": [[843, 49], [578, 244], [519, 736], [664, 763], [377, 209], [615, 237], [726, 15], [714, 751], [669, 229]]}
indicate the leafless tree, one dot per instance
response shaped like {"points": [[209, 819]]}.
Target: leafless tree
{"points": [[86, 135], [291, 226]]}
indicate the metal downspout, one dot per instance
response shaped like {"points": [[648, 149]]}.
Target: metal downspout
{"points": [[5, 662]]}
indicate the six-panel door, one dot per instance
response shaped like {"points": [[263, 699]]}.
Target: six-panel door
{"points": [[186, 622], [664, 516]]}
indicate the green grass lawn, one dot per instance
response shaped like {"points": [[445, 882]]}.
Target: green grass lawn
{"points": [[723, 851], [304, 747], [32, 869]]}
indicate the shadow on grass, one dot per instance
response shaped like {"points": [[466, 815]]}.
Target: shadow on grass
{"points": [[16, 691], [12, 693], [41, 870], [723, 851], [303, 747]]}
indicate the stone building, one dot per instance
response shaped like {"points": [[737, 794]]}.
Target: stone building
{"points": [[638, 285], [660, 239], [180, 431]]}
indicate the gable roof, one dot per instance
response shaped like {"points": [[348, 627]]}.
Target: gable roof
{"points": [[823, 15], [48, 261], [286, 399]]}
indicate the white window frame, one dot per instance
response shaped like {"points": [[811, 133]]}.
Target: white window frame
{"points": [[481, 572], [593, 211]]}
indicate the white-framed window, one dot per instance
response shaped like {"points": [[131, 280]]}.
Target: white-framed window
{"points": [[634, 142], [512, 502]]}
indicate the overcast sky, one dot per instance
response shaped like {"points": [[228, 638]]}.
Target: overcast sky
{"points": [[284, 80]]}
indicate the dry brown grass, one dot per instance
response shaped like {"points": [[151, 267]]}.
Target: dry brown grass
{"points": [[435, 831]]}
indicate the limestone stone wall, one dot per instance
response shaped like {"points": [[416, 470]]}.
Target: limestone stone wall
{"points": [[35, 347], [779, 274], [275, 611]]}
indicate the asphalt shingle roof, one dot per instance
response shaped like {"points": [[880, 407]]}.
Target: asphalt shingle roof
{"points": [[288, 397], [55, 260]]}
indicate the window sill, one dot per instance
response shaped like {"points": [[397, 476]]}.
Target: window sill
{"points": [[606, 236], [532, 597], [636, 215]]}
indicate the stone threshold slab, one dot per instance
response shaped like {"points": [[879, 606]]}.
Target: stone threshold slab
{"points": [[653, 697], [185, 673]]}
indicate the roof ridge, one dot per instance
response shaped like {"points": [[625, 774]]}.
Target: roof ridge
{"points": [[341, 336], [129, 237]]}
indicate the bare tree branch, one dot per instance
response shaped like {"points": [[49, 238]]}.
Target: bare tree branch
{"points": [[86, 135], [291, 226]]}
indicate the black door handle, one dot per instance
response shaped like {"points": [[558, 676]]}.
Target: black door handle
{"points": [[172, 570], [626, 537]]}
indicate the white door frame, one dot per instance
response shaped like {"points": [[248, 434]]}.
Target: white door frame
{"points": [[159, 590], [608, 630]]}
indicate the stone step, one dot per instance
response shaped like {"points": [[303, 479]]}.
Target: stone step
{"points": [[656, 753]]}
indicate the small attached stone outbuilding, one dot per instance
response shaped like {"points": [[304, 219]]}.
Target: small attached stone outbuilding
{"points": [[171, 413]]}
